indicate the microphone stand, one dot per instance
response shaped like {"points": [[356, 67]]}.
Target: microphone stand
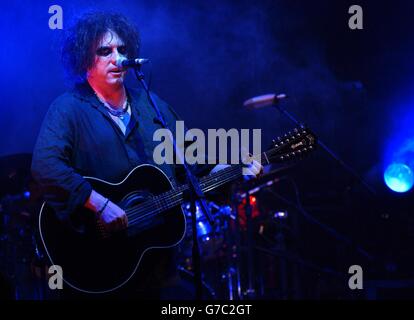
{"points": [[343, 164], [195, 194], [327, 149]]}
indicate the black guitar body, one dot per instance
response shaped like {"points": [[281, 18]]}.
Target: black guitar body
{"points": [[93, 263]]}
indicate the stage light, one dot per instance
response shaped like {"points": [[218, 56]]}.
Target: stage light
{"points": [[399, 177], [280, 215]]}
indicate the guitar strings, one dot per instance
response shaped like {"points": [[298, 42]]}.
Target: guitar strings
{"points": [[169, 203], [177, 191], [172, 200], [169, 199], [166, 201]]}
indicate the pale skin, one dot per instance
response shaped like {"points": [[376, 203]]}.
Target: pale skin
{"points": [[107, 80]]}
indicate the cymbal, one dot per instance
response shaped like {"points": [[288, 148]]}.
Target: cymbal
{"points": [[14, 173]]}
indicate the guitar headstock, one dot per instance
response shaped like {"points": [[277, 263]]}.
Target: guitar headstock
{"points": [[293, 145]]}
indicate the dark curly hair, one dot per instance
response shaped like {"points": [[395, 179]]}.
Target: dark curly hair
{"points": [[82, 39]]}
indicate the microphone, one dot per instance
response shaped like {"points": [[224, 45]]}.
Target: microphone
{"points": [[264, 100], [130, 63]]}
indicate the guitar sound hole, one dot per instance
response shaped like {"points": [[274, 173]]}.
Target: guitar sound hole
{"points": [[140, 216], [134, 198]]}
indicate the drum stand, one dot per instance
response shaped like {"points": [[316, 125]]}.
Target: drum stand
{"points": [[250, 292], [235, 291], [232, 274]]}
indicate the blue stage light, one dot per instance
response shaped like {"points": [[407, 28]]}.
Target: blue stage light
{"points": [[399, 177]]}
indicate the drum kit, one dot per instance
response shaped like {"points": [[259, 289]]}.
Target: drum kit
{"points": [[228, 249], [23, 268]]}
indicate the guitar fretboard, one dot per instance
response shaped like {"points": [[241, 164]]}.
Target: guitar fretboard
{"points": [[170, 199]]}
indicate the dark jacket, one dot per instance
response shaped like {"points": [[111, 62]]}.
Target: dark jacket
{"points": [[78, 138]]}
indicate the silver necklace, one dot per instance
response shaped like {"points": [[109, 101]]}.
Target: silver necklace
{"points": [[118, 113], [115, 111]]}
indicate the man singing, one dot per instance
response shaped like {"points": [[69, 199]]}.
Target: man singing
{"points": [[100, 128]]}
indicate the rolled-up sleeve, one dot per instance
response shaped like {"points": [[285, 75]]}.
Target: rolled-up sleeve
{"points": [[64, 189]]}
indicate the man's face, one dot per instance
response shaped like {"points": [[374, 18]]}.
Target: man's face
{"points": [[104, 71]]}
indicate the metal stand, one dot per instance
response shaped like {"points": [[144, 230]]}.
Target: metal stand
{"points": [[349, 169], [250, 291], [195, 194], [328, 150]]}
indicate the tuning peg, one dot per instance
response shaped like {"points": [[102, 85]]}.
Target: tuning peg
{"points": [[296, 130], [282, 158]]}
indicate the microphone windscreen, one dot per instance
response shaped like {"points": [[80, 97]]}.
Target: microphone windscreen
{"points": [[119, 62], [263, 101], [260, 101]]}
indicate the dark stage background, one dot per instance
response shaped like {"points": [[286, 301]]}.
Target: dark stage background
{"points": [[353, 88]]}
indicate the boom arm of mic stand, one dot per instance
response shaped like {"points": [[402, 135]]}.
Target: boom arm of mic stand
{"points": [[330, 152]]}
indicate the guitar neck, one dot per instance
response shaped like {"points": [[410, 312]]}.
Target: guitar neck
{"points": [[208, 183], [175, 197], [222, 177]]}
